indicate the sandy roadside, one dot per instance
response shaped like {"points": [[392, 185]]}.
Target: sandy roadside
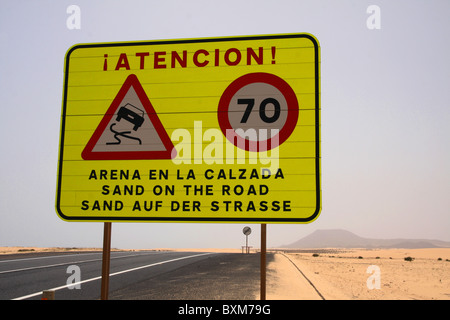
{"points": [[284, 282], [19, 250], [354, 274], [23, 250]]}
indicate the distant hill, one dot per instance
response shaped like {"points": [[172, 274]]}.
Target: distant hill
{"points": [[338, 238]]}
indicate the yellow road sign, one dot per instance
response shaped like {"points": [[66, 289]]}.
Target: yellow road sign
{"points": [[194, 130]]}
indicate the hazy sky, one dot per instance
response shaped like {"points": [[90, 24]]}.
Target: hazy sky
{"points": [[385, 113]]}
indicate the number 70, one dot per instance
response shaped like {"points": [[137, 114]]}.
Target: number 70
{"points": [[262, 109]]}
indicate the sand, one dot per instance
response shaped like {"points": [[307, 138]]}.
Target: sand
{"points": [[19, 250], [351, 274], [285, 282]]}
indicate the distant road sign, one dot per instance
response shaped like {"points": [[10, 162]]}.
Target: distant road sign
{"points": [[247, 231], [192, 130]]}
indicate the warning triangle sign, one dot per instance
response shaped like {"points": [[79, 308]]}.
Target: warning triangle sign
{"points": [[130, 129]]}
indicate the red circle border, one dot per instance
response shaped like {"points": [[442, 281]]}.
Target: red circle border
{"points": [[268, 78]]}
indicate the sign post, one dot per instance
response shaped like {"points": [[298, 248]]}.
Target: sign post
{"points": [[106, 260], [263, 261], [216, 130]]}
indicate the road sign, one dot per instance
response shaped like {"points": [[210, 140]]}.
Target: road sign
{"points": [[270, 116], [247, 231], [194, 130], [124, 121]]}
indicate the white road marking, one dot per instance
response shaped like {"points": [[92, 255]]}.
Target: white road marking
{"points": [[47, 257], [65, 263], [112, 275]]}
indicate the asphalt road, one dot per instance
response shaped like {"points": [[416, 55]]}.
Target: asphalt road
{"points": [[133, 275]]}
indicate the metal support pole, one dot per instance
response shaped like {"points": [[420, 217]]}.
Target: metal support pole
{"points": [[106, 260], [263, 260], [246, 243]]}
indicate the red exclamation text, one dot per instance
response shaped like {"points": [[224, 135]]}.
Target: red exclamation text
{"points": [[273, 55]]}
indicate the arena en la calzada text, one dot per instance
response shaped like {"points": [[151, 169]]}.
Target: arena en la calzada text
{"points": [[229, 186]]}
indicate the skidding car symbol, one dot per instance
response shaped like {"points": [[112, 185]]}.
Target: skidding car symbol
{"points": [[126, 113]]}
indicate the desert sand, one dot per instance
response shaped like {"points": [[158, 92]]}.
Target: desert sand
{"points": [[341, 274], [18, 250], [351, 274]]}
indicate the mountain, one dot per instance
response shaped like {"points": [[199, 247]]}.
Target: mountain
{"points": [[338, 238]]}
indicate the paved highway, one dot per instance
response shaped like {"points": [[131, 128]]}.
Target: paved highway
{"points": [[76, 276]]}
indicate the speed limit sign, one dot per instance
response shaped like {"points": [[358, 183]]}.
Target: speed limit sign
{"points": [[258, 111]]}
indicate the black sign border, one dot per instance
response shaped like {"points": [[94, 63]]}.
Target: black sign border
{"points": [[198, 219]]}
